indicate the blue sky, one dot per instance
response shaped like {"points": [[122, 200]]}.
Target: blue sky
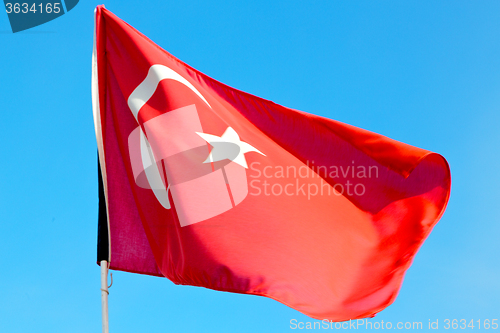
{"points": [[423, 72]]}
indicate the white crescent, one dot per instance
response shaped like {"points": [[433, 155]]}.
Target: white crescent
{"points": [[137, 99]]}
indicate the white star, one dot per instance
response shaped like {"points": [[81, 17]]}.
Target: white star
{"points": [[223, 147]]}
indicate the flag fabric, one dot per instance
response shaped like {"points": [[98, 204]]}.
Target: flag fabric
{"points": [[210, 186]]}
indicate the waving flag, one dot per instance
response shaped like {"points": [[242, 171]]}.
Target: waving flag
{"points": [[209, 186]]}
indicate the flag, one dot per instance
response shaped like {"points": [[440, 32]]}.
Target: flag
{"points": [[210, 186]]}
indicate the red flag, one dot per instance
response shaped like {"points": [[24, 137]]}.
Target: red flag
{"points": [[210, 186]]}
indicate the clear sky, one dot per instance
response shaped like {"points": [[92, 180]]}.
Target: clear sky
{"points": [[423, 72]]}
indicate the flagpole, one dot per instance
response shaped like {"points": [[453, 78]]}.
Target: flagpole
{"points": [[104, 296]]}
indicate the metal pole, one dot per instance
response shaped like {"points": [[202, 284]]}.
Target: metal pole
{"points": [[104, 296]]}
